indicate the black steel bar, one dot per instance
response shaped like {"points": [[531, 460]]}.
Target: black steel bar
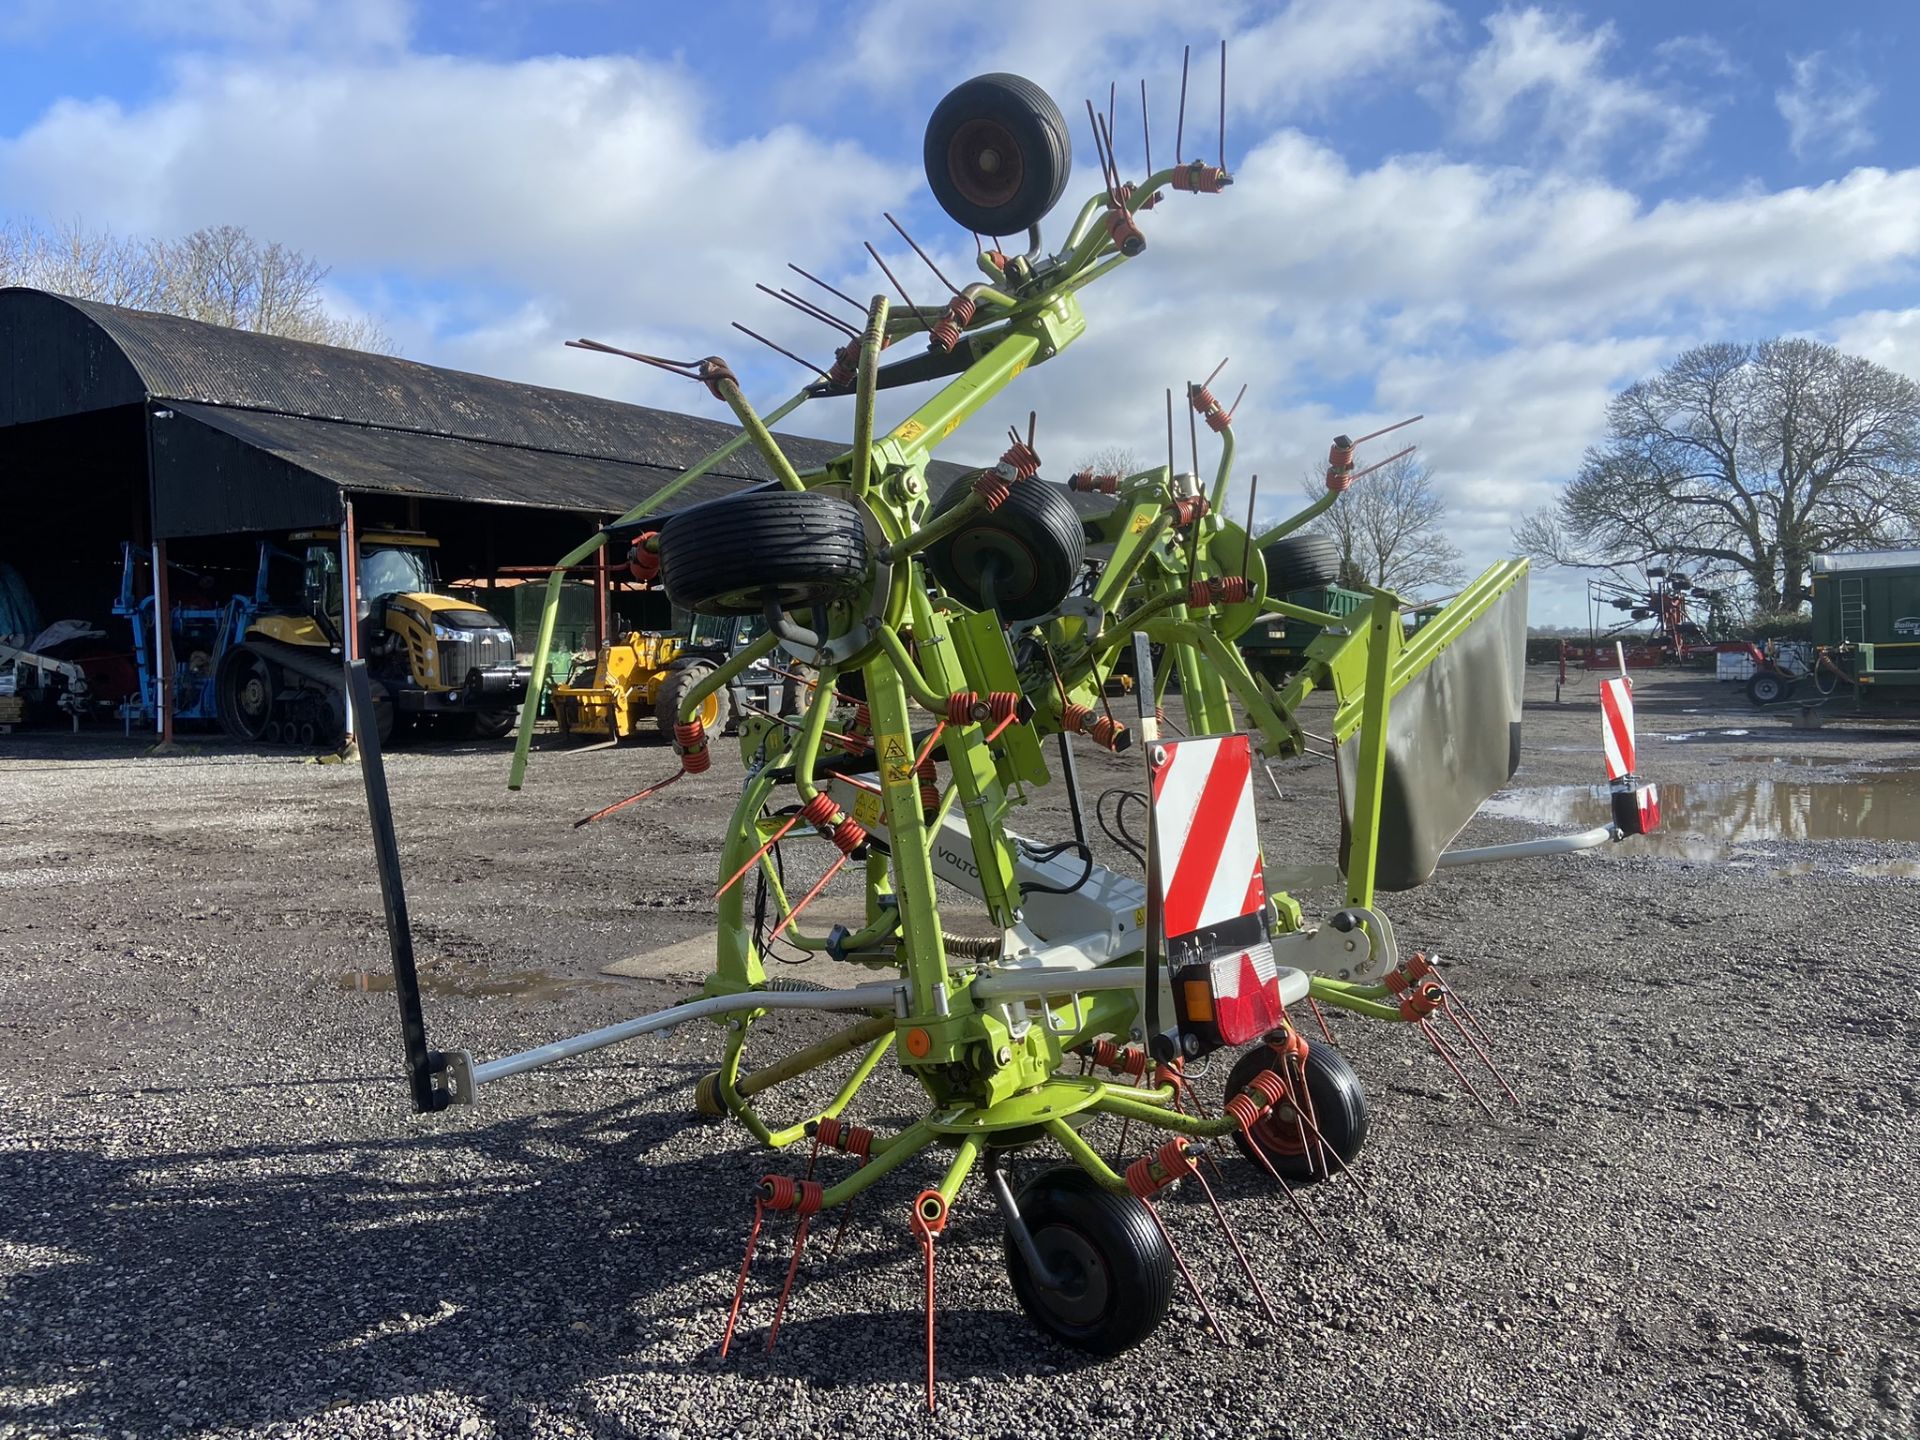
{"points": [[422, 1064]]}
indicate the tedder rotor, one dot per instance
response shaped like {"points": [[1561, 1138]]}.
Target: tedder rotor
{"points": [[950, 640]]}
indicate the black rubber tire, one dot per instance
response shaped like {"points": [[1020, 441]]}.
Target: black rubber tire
{"points": [[729, 556], [1110, 1244], [681, 677], [1339, 1108], [1769, 687], [1034, 541], [1014, 125], [1301, 562], [244, 688]]}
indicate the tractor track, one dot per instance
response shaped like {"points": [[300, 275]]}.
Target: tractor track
{"points": [[217, 1215]]}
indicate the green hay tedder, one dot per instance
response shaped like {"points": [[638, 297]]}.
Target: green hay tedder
{"points": [[957, 646]]}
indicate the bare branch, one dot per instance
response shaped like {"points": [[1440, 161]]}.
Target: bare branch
{"points": [[219, 274]]}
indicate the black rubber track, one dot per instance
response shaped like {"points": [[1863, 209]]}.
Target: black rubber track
{"points": [[1072, 1219], [1043, 151], [1301, 562], [1339, 1112], [727, 557], [1034, 538]]}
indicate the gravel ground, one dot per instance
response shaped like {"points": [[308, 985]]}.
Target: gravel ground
{"points": [[217, 1215]]}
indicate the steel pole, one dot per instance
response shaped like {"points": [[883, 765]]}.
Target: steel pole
{"points": [[349, 609]]}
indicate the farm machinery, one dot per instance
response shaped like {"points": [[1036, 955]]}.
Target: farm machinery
{"points": [[643, 676], [955, 642], [265, 664]]}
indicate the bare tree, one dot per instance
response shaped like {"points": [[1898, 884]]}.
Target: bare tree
{"points": [[1110, 460], [219, 274], [1753, 458], [1388, 528]]}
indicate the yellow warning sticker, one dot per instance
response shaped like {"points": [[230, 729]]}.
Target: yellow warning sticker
{"points": [[951, 426], [1141, 522], [866, 809], [1140, 917], [909, 431], [896, 757]]}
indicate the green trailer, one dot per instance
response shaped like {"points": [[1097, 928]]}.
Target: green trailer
{"points": [[1866, 632], [1277, 647]]}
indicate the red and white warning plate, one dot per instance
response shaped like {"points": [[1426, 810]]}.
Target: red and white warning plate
{"points": [[1616, 725], [1206, 840]]}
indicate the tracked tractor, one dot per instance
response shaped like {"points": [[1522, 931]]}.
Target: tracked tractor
{"points": [[429, 654]]}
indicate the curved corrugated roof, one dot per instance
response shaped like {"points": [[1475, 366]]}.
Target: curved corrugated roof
{"points": [[71, 356]]}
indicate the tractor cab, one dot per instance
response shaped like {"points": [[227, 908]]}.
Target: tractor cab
{"points": [[431, 653]]}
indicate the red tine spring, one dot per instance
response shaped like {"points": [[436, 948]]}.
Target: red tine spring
{"points": [[1021, 458], [1199, 179], [644, 563], [1188, 509], [1208, 408], [690, 739], [1120, 1059], [1103, 730], [946, 334], [841, 828], [854, 741], [1159, 1168], [836, 1134], [992, 489], [1340, 464]]}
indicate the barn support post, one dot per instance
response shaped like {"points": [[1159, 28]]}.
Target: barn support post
{"points": [[162, 604], [349, 608], [599, 601], [162, 646]]}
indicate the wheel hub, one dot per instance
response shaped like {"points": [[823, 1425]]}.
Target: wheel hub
{"points": [[1082, 1295], [984, 163]]}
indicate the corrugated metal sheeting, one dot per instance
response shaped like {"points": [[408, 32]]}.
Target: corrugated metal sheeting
{"points": [[267, 432]]}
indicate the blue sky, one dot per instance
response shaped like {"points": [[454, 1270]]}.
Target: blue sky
{"points": [[1493, 214]]}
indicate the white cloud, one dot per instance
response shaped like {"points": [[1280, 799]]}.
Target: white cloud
{"points": [[1543, 70], [1825, 105], [1306, 56], [1297, 58], [593, 186], [1701, 54], [1886, 337]]}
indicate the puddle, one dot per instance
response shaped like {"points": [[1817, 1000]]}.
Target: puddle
{"points": [[1698, 735], [1702, 820], [1872, 869], [522, 984]]}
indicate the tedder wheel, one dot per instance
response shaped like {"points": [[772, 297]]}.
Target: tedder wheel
{"points": [[795, 548], [244, 691], [997, 154], [679, 680], [1019, 560], [1112, 1268], [1769, 687], [1339, 1113], [1301, 562]]}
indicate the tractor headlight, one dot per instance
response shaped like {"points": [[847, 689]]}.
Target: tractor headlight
{"points": [[450, 632]]}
